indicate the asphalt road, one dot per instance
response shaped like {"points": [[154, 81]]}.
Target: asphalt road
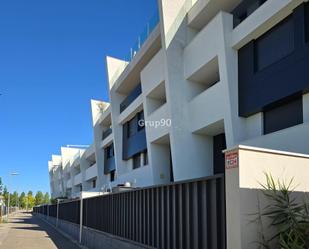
{"points": [[24, 231]]}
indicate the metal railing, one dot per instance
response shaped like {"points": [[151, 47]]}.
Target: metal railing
{"points": [[188, 214], [131, 97], [106, 133], [245, 9], [150, 26], [4, 210]]}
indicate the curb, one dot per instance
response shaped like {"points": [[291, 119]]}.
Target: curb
{"points": [[62, 233]]}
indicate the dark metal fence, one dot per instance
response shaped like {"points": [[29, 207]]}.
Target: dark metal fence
{"points": [[70, 211], [187, 214], [52, 210]]}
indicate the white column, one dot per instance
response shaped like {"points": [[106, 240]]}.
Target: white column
{"points": [[233, 225], [81, 218], [306, 107]]}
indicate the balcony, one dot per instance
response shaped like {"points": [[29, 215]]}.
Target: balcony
{"points": [[210, 113], [89, 151], [91, 172], [131, 97], [150, 27], [203, 11], [106, 133], [107, 140], [109, 165], [154, 132], [78, 179], [245, 9], [69, 183]]}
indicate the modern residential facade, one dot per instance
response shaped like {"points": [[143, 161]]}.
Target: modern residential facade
{"points": [[211, 75]]}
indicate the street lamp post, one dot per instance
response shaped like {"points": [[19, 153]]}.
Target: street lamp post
{"points": [[11, 174]]}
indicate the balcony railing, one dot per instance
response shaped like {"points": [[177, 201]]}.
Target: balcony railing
{"points": [[137, 45], [92, 163], [106, 133], [245, 9], [109, 165], [131, 97]]}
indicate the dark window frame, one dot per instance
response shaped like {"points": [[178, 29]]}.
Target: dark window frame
{"points": [[131, 127], [271, 33], [140, 116], [94, 183], [110, 151], [112, 175], [145, 159], [136, 163], [273, 118]]}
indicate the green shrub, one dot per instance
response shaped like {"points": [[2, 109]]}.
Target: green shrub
{"points": [[289, 217]]}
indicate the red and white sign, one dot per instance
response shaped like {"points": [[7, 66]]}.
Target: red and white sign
{"points": [[231, 160]]}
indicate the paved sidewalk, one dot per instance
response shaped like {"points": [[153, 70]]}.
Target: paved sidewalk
{"points": [[25, 231]]}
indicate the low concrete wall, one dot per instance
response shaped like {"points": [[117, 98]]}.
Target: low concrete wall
{"points": [[91, 238], [95, 239]]}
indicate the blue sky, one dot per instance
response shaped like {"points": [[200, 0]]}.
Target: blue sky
{"points": [[52, 62]]}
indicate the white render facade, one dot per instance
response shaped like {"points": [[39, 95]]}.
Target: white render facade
{"points": [[186, 77]]}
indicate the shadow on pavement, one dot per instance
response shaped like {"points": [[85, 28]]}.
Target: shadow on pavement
{"points": [[35, 224]]}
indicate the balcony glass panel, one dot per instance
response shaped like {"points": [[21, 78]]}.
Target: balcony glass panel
{"points": [[106, 133], [245, 9], [131, 97]]}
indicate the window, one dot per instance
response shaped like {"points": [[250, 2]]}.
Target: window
{"points": [[145, 157], [80, 188], [107, 132], [112, 175], [140, 117], [137, 161], [283, 115], [94, 183], [132, 127], [275, 44], [110, 151]]}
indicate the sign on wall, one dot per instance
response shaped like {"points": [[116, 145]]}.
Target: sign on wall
{"points": [[231, 160]]}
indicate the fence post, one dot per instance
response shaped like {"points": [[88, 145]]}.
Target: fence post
{"points": [[81, 218], [57, 212]]}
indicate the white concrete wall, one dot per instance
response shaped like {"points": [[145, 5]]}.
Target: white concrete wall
{"points": [[243, 185], [293, 139]]}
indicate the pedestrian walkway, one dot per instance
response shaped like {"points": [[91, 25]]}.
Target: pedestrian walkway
{"points": [[24, 231]]}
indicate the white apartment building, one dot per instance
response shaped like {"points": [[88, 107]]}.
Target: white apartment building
{"points": [[212, 74]]}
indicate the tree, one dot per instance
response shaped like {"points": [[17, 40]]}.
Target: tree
{"points": [[46, 198], [5, 195], [53, 201], [23, 200], [39, 198], [14, 199], [30, 200], [1, 186]]}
